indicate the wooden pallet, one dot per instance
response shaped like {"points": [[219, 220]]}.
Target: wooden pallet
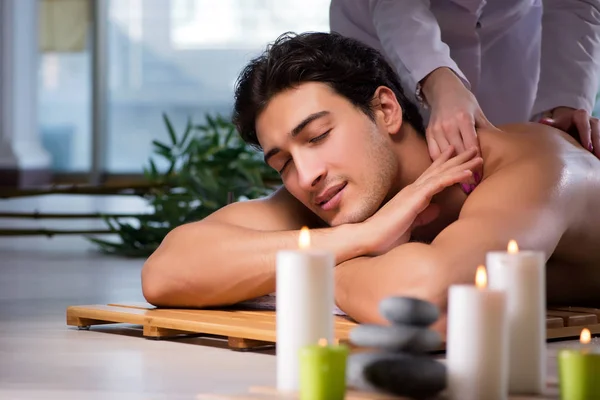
{"points": [[243, 329], [252, 329]]}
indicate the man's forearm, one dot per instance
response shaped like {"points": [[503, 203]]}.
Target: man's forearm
{"points": [[412, 269], [211, 264]]}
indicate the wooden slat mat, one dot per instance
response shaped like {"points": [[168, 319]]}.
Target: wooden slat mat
{"points": [[244, 329], [250, 329]]}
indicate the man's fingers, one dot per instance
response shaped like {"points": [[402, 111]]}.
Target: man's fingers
{"points": [[459, 159], [457, 174], [436, 183], [428, 215]]}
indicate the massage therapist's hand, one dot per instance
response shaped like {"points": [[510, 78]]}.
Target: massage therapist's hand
{"points": [[455, 113], [579, 124], [392, 224]]}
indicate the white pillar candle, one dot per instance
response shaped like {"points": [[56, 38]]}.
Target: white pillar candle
{"points": [[304, 304], [522, 274], [477, 345]]}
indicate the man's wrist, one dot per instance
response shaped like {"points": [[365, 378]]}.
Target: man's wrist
{"points": [[353, 240]]}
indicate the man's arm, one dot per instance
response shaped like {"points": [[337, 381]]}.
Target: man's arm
{"points": [[513, 205], [570, 61], [230, 256]]}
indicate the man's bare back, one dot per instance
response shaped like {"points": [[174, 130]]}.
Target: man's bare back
{"points": [[571, 176]]}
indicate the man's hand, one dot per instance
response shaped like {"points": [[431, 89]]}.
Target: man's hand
{"points": [[577, 123], [392, 225], [455, 113]]}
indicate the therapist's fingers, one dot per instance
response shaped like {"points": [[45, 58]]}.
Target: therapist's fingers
{"points": [[581, 119], [440, 138], [434, 149], [450, 135], [481, 120], [436, 140], [471, 141], [562, 123], [595, 129]]}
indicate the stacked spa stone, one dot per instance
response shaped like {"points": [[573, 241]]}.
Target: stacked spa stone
{"points": [[399, 363]]}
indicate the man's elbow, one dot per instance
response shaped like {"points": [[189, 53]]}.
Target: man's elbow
{"points": [[154, 284]]}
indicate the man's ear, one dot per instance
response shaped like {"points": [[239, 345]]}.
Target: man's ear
{"points": [[388, 111]]}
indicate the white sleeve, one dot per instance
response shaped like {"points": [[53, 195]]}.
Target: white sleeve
{"points": [[570, 61], [410, 36]]}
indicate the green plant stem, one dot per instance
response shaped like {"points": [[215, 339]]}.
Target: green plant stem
{"points": [[51, 232], [131, 189], [39, 215]]}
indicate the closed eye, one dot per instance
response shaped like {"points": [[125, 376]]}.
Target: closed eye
{"points": [[284, 165], [320, 137], [313, 140]]}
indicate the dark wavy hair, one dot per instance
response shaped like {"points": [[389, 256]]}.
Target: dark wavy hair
{"points": [[351, 68]]}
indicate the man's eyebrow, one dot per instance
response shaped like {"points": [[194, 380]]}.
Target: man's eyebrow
{"points": [[296, 131]]}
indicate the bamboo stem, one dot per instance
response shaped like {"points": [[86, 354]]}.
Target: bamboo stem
{"points": [[129, 189], [39, 215], [51, 232]]}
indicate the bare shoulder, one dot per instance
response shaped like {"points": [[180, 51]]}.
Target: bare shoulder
{"points": [[532, 165], [516, 202], [278, 211], [534, 182]]}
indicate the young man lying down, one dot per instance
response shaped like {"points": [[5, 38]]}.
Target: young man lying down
{"points": [[330, 115]]}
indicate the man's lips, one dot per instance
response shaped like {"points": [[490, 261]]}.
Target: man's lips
{"points": [[325, 199]]}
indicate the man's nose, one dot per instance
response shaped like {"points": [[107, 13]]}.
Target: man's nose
{"points": [[311, 170]]}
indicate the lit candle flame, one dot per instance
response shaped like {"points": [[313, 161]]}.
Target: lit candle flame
{"points": [[481, 277], [323, 342], [304, 240], [586, 336], [513, 248]]}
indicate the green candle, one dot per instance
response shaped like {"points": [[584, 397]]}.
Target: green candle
{"points": [[579, 372], [323, 371]]}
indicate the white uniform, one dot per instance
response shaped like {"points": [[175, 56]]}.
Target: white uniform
{"points": [[495, 46]]}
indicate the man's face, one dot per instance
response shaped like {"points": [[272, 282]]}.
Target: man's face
{"points": [[331, 156]]}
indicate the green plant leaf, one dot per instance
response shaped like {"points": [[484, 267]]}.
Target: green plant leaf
{"points": [[207, 162], [170, 129], [188, 130]]}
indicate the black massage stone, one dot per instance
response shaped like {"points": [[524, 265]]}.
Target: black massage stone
{"points": [[396, 338], [409, 311], [396, 373]]}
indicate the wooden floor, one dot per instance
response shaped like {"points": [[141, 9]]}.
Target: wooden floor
{"points": [[42, 358]]}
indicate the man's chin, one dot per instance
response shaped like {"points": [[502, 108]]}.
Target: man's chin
{"points": [[344, 219]]}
